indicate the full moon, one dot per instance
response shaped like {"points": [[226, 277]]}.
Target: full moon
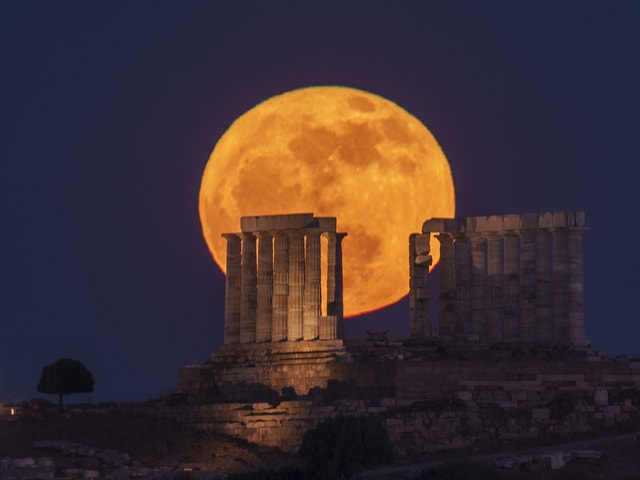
{"points": [[337, 152]]}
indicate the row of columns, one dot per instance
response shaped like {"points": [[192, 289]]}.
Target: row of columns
{"points": [[515, 278], [273, 286]]}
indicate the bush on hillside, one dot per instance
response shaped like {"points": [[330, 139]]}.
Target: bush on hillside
{"points": [[341, 446]]}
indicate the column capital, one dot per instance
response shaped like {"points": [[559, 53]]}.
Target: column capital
{"points": [[526, 232], [295, 233], [231, 236], [443, 236], [457, 236], [337, 235]]}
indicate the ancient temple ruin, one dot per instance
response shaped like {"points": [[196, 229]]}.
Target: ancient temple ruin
{"points": [[280, 331], [277, 297], [506, 353], [503, 278]]}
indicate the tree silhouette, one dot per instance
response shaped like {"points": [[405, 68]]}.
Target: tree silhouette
{"points": [[63, 377]]}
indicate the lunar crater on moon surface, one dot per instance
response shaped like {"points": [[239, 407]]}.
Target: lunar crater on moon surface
{"points": [[339, 152]]}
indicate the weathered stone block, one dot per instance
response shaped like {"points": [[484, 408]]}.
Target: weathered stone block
{"points": [[601, 396], [434, 225], [540, 414], [465, 395], [267, 223], [27, 462], [545, 220]]}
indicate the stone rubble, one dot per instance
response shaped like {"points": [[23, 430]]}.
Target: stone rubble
{"points": [[113, 465], [554, 460]]}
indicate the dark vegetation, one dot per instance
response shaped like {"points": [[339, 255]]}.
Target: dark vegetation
{"points": [[64, 377], [337, 448], [341, 446]]}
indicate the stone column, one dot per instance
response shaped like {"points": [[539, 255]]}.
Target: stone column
{"points": [[560, 271], [295, 307], [495, 294], [334, 283], [511, 287], [248, 289], [544, 286], [265, 287], [462, 254], [528, 329], [280, 287], [312, 292], [576, 288], [447, 321], [419, 262], [478, 286], [232, 290]]}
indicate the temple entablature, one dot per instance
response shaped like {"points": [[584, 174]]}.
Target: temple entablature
{"points": [[501, 223]]}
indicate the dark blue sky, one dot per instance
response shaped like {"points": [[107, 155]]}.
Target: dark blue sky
{"points": [[110, 110]]}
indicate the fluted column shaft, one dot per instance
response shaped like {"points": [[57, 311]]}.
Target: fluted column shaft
{"points": [[478, 286], [419, 294], [544, 286], [447, 322], [463, 269], [511, 287], [248, 290], [295, 308], [334, 284], [576, 288], [495, 293], [560, 271], [232, 290], [265, 287], [528, 329], [312, 292], [280, 287]]}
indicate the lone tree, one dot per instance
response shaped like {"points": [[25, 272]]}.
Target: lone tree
{"points": [[63, 377]]}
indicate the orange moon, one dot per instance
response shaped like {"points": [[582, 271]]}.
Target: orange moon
{"points": [[339, 152]]}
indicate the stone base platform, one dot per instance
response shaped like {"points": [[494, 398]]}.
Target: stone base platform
{"points": [[296, 353], [430, 398], [263, 372]]}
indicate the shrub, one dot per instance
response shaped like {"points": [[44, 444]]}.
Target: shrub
{"points": [[341, 446]]}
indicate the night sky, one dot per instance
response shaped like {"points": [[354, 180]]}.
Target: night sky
{"points": [[110, 110]]}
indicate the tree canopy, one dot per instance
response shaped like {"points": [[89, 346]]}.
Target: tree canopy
{"points": [[65, 376]]}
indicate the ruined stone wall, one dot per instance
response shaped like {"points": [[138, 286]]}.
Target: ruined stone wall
{"points": [[266, 372], [503, 279], [448, 404]]}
